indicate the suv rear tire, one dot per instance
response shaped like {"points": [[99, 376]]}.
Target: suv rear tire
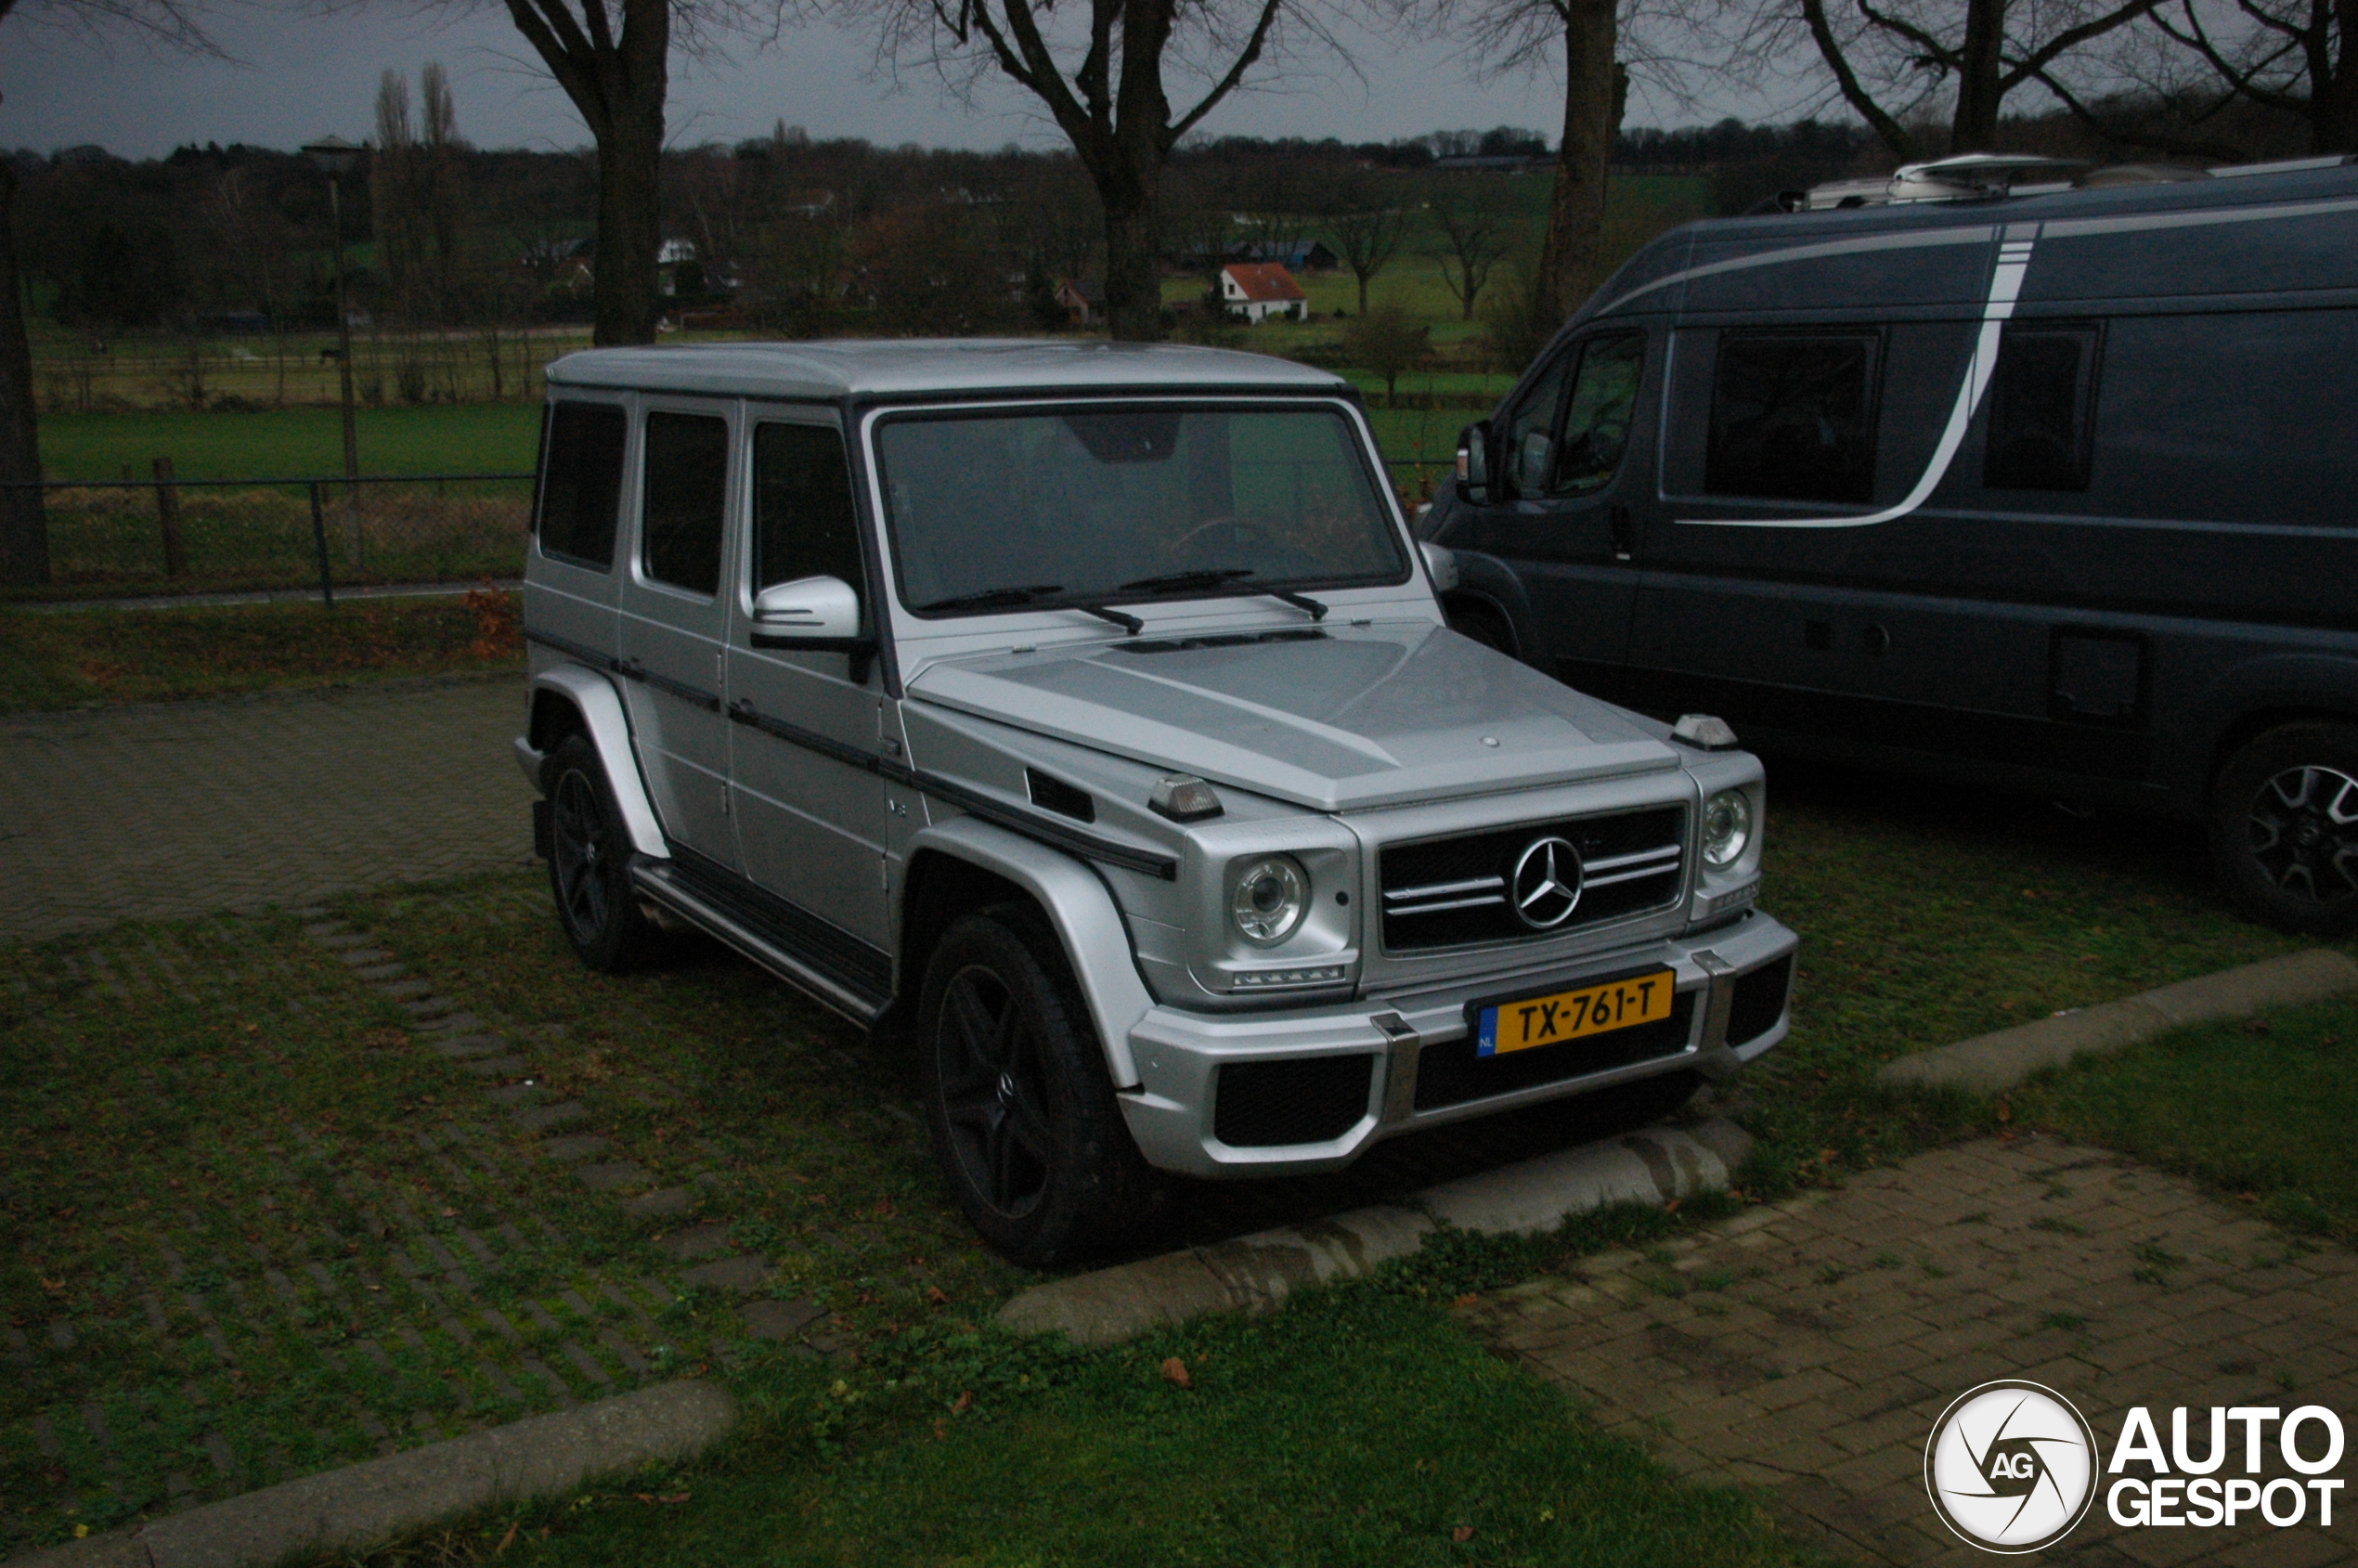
{"points": [[589, 863], [2284, 828], [1018, 1097]]}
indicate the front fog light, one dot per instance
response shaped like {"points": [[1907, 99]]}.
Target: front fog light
{"points": [[1726, 828], [1271, 897]]}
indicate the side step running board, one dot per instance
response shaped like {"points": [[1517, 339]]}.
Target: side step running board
{"points": [[761, 940]]}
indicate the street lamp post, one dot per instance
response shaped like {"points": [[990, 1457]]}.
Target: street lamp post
{"points": [[335, 157]]}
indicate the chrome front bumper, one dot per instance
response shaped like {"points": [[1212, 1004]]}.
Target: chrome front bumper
{"points": [[1179, 1054]]}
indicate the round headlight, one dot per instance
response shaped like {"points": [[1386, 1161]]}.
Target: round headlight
{"points": [[1726, 828], [1271, 897]]}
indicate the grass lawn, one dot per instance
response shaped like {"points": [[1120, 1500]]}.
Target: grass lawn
{"points": [[1360, 1426], [2260, 1109], [74, 659]]}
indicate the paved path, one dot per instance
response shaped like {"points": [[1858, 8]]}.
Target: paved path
{"points": [[1810, 1347], [168, 810]]}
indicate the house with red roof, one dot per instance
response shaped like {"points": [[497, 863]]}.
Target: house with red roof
{"points": [[1257, 290]]}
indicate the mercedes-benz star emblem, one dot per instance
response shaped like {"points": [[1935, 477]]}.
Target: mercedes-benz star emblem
{"points": [[1547, 883]]}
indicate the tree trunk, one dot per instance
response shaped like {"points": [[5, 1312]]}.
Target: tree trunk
{"points": [[1979, 89], [629, 221], [1576, 213], [2333, 89], [1133, 264], [24, 526]]}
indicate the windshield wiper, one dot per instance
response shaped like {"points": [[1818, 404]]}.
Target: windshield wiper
{"points": [[993, 598], [1128, 623], [1220, 576]]}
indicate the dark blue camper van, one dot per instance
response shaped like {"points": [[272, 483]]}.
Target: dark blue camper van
{"points": [[2051, 487]]}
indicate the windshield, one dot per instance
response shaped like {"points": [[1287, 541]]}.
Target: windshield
{"points": [[1022, 508]]}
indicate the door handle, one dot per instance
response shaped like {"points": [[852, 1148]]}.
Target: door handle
{"points": [[1625, 533]]}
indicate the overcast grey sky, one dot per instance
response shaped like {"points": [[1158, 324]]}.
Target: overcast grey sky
{"points": [[304, 76]]}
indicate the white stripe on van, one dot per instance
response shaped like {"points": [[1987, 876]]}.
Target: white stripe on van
{"points": [[2005, 286]]}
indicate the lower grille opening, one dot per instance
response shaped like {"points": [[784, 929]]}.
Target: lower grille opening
{"points": [[1309, 1100], [1758, 1002], [1452, 1074]]}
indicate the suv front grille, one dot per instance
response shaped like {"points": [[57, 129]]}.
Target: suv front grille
{"points": [[1454, 891], [1306, 1100]]}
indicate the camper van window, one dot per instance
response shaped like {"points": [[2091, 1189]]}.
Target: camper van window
{"points": [[1597, 424], [1792, 417], [802, 518], [2042, 406], [686, 488], [1528, 433], [581, 483]]}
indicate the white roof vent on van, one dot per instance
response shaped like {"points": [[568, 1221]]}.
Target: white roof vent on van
{"points": [[1972, 177]]}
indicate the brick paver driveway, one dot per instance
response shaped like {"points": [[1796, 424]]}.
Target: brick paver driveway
{"points": [[166, 809], [1810, 1347]]}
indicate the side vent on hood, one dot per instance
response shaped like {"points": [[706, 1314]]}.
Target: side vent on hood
{"points": [[1055, 795]]}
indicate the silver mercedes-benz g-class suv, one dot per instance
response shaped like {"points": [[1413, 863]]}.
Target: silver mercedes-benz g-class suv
{"points": [[1083, 713]]}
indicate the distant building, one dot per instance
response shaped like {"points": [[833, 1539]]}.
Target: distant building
{"points": [[1083, 302], [1299, 256], [1257, 290]]}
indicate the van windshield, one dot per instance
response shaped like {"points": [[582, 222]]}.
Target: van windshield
{"points": [[1128, 502]]}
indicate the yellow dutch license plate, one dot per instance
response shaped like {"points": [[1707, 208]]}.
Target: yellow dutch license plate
{"points": [[1572, 1015]]}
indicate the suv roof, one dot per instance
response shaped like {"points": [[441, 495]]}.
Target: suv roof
{"points": [[839, 368]]}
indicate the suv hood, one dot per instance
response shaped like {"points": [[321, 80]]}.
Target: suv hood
{"points": [[1337, 721]]}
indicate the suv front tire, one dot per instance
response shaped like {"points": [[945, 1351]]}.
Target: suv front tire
{"points": [[1018, 1097]]}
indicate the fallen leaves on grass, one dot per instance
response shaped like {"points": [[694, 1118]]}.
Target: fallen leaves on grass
{"points": [[1174, 1371]]}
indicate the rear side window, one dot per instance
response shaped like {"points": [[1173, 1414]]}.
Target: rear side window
{"points": [[2043, 408], [802, 519], [684, 497], [1792, 417], [580, 483]]}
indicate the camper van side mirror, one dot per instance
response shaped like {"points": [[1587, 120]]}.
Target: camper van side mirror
{"points": [[1473, 464]]}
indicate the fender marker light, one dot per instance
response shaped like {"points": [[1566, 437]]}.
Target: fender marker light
{"points": [[1184, 798]]}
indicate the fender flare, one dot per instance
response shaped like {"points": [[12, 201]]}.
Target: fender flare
{"points": [[608, 727], [1081, 909], [2324, 684]]}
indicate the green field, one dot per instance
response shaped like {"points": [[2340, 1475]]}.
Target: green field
{"points": [[438, 438]]}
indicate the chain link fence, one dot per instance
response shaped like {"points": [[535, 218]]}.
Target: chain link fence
{"points": [[168, 535]]}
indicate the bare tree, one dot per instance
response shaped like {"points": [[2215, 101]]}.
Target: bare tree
{"points": [[1891, 61], [1599, 44], [1477, 232], [1104, 85], [2289, 55], [24, 525], [1385, 341], [1366, 230]]}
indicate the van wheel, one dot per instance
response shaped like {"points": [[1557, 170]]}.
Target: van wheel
{"points": [[589, 863], [1017, 1097], [1485, 627], [2284, 828]]}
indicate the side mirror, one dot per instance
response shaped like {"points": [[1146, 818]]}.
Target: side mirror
{"points": [[814, 615], [805, 610], [1473, 464], [1442, 564]]}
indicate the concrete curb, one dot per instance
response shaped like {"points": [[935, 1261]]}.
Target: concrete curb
{"points": [[1990, 1062], [1255, 1274], [366, 1504]]}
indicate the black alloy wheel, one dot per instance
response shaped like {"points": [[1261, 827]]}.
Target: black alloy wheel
{"points": [[993, 1098], [589, 863], [1018, 1097], [2285, 828]]}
